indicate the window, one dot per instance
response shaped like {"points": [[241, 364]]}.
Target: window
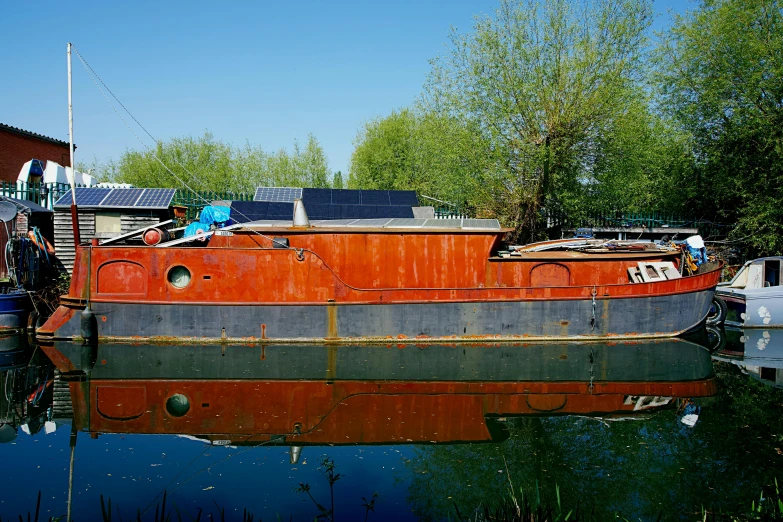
{"points": [[108, 223]]}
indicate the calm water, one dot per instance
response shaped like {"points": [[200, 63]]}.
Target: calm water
{"points": [[424, 427]]}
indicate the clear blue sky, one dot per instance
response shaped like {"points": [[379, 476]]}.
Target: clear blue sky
{"points": [[264, 72]]}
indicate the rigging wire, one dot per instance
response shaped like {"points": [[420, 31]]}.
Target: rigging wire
{"points": [[94, 76]]}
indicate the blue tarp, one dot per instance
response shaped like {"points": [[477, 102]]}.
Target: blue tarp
{"points": [[695, 245], [209, 216], [699, 255], [212, 215]]}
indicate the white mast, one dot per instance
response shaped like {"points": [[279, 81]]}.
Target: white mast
{"points": [[71, 178]]}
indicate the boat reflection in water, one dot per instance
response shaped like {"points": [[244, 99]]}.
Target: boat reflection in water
{"points": [[26, 383], [756, 350], [300, 395]]}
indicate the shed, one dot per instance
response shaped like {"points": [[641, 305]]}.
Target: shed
{"points": [[28, 215], [105, 213]]}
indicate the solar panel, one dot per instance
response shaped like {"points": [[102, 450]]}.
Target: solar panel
{"points": [[156, 198], [394, 211], [85, 197], [443, 223], [359, 211], [375, 197], [482, 224], [122, 197], [406, 223], [280, 210], [339, 222], [319, 211], [346, 197], [370, 223], [418, 223], [244, 211], [403, 197], [277, 194], [317, 196]]}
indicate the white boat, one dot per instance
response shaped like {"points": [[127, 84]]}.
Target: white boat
{"points": [[754, 297]]}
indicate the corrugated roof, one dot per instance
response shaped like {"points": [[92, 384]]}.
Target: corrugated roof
{"points": [[23, 204], [30, 134]]}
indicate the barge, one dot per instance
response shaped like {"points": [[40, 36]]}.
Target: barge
{"points": [[371, 281]]}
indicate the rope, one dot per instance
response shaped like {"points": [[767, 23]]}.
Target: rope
{"points": [[592, 320], [93, 77]]}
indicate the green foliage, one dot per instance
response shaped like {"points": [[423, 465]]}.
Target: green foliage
{"points": [[721, 77], [337, 180], [416, 150], [205, 163], [543, 83]]}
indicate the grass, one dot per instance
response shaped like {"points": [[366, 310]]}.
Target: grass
{"points": [[510, 508]]}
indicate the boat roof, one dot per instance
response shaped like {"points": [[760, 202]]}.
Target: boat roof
{"points": [[760, 259], [387, 223]]}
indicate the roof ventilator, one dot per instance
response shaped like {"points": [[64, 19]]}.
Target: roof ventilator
{"points": [[300, 214]]}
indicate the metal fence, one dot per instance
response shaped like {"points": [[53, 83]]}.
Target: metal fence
{"points": [[611, 218], [44, 194], [618, 218]]}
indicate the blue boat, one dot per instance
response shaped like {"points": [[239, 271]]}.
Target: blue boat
{"points": [[14, 309]]}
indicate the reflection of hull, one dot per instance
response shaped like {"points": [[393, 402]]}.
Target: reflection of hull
{"points": [[13, 351], [758, 351], [353, 394]]}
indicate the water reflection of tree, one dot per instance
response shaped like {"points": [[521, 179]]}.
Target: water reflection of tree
{"points": [[637, 468]]}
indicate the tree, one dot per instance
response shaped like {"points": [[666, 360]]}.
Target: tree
{"points": [[413, 149], [722, 79], [384, 157], [542, 83], [205, 163], [337, 180], [641, 158]]}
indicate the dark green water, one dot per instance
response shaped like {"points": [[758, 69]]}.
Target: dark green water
{"points": [[430, 429]]}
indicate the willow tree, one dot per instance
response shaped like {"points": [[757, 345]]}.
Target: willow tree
{"points": [[542, 81]]}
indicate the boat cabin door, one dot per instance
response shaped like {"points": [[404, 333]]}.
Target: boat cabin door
{"points": [[771, 272]]}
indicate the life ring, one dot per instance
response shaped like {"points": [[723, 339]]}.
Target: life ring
{"points": [[718, 310], [49, 247]]}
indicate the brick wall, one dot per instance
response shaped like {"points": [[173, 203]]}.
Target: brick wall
{"points": [[17, 149]]}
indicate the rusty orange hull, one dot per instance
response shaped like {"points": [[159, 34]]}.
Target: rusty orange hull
{"points": [[372, 286]]}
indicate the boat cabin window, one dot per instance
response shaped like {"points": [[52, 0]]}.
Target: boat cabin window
{"points": [[750, 277], [772, 273], [741, 278]]}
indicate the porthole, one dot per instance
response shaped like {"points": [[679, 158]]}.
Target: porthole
{"points": [[177, 405], [179, 277]]}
